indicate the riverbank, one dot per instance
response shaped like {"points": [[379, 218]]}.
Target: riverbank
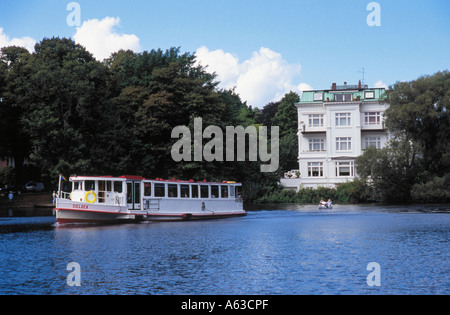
{"points": [[27, 201]]}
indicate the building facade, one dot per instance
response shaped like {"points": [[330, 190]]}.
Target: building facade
{"points": [[335, 127]]}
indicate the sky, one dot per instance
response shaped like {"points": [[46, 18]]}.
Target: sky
{"points": [[262, 48]]}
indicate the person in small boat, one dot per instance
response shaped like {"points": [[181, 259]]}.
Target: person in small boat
{"points": [[329, 204], [322, 202]]}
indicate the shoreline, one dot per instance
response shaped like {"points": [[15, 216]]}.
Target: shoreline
{"points": [[27, 201]]}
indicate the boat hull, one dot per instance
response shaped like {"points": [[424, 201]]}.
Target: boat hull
{"points": [[165, 217], [68, 212]]}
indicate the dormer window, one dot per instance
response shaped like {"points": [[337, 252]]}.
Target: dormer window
{"points": [[318, 96], [343, 97], [369, 95]]}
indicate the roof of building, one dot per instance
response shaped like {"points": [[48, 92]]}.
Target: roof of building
{"points": [[359, 92]]}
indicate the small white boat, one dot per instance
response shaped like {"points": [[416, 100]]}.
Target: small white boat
{"points": [[325, 207], [134, 198]]}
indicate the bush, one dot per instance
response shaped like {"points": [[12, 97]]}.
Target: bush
{"points": [[7, 175], [351, 192], [432, 191]]}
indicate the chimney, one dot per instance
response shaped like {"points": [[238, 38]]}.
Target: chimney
{"points": [[359, 84], [333, 86]]}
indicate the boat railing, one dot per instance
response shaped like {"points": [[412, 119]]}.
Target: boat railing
{"points": [[152, 204], [65, 195]]}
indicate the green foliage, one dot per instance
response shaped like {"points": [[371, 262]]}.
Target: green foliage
{"points": [[390, 171], [419, 111], [7, 175], [351, 192], [413, 167], [434, 190], [284, 115], [71, 114]]}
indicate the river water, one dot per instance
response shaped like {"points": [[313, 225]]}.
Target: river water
{"points": [[293, 250]]}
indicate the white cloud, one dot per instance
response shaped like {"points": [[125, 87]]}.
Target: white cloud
{"points": [[99, 38], [26, 42], [263, 78], [304, 87], [224, 64], [381, 84]]}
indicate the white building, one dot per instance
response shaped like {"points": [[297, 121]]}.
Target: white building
{"points": [[335, 126]]}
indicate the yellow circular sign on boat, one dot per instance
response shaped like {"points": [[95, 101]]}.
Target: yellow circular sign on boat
{"points": [[90, 199]]}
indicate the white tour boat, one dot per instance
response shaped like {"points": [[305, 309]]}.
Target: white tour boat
{"points": [[133, 198]]}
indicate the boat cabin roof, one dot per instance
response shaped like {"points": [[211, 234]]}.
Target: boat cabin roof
{"points": [[140, 178]]}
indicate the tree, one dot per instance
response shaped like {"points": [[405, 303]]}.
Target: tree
{"points": [[268, 113], [14, 69], [391, 171], [67, 98], [420, 111], [286, 118]]}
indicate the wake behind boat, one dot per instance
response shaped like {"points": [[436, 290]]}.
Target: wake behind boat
{"points": [[134, 198]]}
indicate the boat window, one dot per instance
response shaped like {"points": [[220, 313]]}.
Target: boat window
{"points": [[238, 191], [184, 191], [118, 187], [147, 189], [108, 186], [232, 191], [214, 191], [224, 191], [89, 185], [194, 191], [204, 191], [101, 191], [160, 190], [173, 190], [137, 193], [77, 185]]}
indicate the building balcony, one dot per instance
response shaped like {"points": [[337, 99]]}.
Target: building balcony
{"points": [[304, 129], [373, 127]]}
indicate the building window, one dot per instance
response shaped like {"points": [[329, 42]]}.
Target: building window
{"points": [[372, 142], [316, 145], [344, 169], [343, 97], [315, 120], [315, 169], [343, 119], [343, 144], [318, 96], [372, 118], [369, 94]]}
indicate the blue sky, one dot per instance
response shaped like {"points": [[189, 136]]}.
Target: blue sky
{"points": [[264, 47]]}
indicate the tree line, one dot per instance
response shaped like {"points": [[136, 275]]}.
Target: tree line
{"points": [[68, 113]]}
